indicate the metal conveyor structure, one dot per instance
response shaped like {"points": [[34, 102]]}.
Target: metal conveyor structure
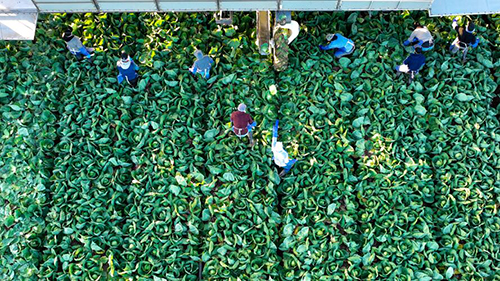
{"points": [[18, 17]]}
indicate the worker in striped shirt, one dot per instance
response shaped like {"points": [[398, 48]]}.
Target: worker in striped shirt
{"points": [[75, 45]]}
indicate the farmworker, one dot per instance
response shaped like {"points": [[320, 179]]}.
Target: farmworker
{"points": [[413, 63], [343, 46], [127, 70], [75, 46], [243, 123], [280, 155], [202, 64], [420, 37], [465, 36]]}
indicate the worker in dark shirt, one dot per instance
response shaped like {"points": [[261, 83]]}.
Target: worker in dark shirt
{"points": [[127, 70], [243, 123], [465, 37], [413, 63]]}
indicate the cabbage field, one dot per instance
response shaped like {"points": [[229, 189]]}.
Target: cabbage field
{"points": [[101, 181]]}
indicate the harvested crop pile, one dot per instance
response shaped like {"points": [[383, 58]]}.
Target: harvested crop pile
{"points": [[281, 50], [100, 181]]}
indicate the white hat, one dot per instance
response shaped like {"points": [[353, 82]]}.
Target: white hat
{"points": [[125, 61], [242, 107]]}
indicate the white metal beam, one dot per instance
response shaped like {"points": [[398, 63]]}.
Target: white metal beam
{"points": [[435, 7], [188, 5], [18, 26], [313, 5], [464, 7], [14, 6]]}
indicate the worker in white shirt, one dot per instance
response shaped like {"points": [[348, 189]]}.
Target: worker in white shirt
{"points": [[420, 38], [280, 155]]}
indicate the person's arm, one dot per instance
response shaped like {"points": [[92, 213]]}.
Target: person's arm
{"points": [[275, 134], [454, 25], [251, 122], [412, 36], [121, 71], [120, 75], [194, 69], [136, 67], [84, 52], [475, 43]]}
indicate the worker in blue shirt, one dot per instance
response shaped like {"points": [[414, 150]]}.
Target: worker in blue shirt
{"points": [[413, 63], [465, 36], [75, 45], [343, 46], [127, 70], [202, 64]]}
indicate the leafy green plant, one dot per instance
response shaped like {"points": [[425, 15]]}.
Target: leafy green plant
{"points": [[394, 181]]}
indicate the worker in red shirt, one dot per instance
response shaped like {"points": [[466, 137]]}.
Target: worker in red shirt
{"points": [[242, 123]]}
